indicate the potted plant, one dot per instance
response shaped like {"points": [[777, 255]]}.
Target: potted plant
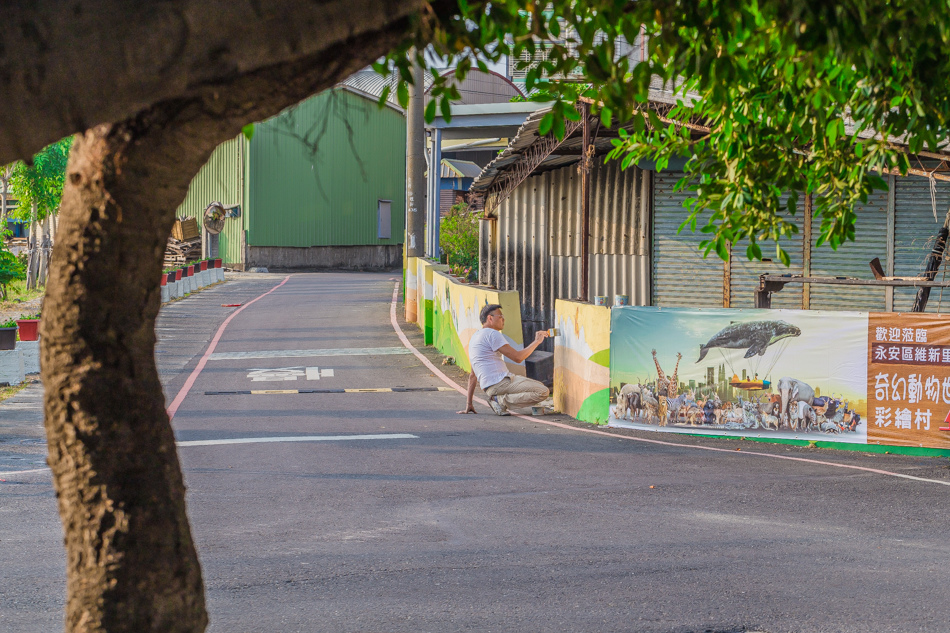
{"points": [[8, 334], [217, 263], [29, 327], [204, 265], [178, 274]]}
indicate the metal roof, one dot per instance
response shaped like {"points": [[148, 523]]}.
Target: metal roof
{"points": [[659, 93], [370, 82], [454, 168], [570, 149]]}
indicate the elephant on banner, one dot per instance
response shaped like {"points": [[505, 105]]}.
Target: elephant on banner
{"points": [[793, 390]]}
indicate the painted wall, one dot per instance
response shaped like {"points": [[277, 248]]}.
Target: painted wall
{"points": [[425, 294], [455, 317], [582, 360], [411, 295]]}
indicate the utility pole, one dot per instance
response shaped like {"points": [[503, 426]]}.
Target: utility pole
{"points": [[415, 166], [585, 165]]}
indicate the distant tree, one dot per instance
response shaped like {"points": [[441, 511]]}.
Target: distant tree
{"points": [[39, 189]]}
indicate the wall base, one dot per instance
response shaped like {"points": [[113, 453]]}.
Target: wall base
{"points": [[11, 367], [30, 350], [372, 257]]}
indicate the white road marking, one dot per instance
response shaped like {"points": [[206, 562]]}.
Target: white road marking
{"points": [[259, 440], [299, 353], [24, 472], [275, 375], [315, 373], [301, 438]]}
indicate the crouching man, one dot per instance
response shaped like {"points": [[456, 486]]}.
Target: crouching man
{"points": [[485, 351]]}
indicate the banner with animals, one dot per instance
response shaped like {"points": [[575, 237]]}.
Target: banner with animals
{"points": [[785, 374], [909, 380]]}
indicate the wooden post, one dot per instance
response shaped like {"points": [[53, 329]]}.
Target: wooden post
{"points": [[933, 265], [585, 205]]}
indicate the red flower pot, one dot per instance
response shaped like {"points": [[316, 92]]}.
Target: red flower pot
{"points": [[29, 329], [164, 279], [204, 265], [217, 263], [189, 271], [178, 274]]}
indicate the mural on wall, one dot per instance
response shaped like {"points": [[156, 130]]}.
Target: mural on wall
{"points": [[411, 290], [456, 307], [425, 294], [582, 360], [909, 380], [786, 374]]}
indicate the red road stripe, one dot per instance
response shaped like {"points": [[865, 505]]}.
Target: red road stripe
{"points": [[451, 383], [173, 407]]}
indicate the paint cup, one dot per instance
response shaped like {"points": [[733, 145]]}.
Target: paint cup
{"points": [[600, 300], [621, 300]]}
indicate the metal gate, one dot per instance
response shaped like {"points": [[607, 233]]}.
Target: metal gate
{"points": [[851, 260], [682, 277], [744, 273]]}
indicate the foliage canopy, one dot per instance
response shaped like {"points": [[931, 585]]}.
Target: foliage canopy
{"points": [[42, 182], [796, 96], [458, 238]]}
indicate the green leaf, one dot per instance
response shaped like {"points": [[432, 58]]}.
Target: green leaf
{"points": [[248, 131], [832, 130], [446, 107], [559, 127], [547, 121], [402, 94], [606, 116], [430, 111]]}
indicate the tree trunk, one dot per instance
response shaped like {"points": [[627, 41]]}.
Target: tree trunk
{"points": [[131, 562], [32, 250], [44, 250]]}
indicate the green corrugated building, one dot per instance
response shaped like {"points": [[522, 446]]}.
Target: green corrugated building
{"points": [[320, 185]]}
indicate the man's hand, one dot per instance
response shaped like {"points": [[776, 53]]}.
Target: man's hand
{"points": [[470, 409], [540, 335]]}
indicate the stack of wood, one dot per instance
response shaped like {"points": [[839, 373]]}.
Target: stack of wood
{"points": [[184, 244]]}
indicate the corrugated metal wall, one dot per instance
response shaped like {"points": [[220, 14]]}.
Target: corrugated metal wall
{"points": [[914, 232], [317, 170], [681, 276], [538, 242], [851, 260], [744, 273], [222, 180]]}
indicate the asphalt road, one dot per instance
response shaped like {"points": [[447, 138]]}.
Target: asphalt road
{"points": [[425, 520]]}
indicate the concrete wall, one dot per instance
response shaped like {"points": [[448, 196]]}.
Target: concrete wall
{"points": [[455, 317], [582, 360], [369, 257], [411, 298], [425, 293]]}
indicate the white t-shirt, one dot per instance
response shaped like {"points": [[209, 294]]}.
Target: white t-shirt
{"points": [[487, 362]]}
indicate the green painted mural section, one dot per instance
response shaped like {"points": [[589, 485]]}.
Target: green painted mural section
{"points": [[596, 408], [447, 340], [318, 170], [427, 331], [918, 451], [601, 358]]}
